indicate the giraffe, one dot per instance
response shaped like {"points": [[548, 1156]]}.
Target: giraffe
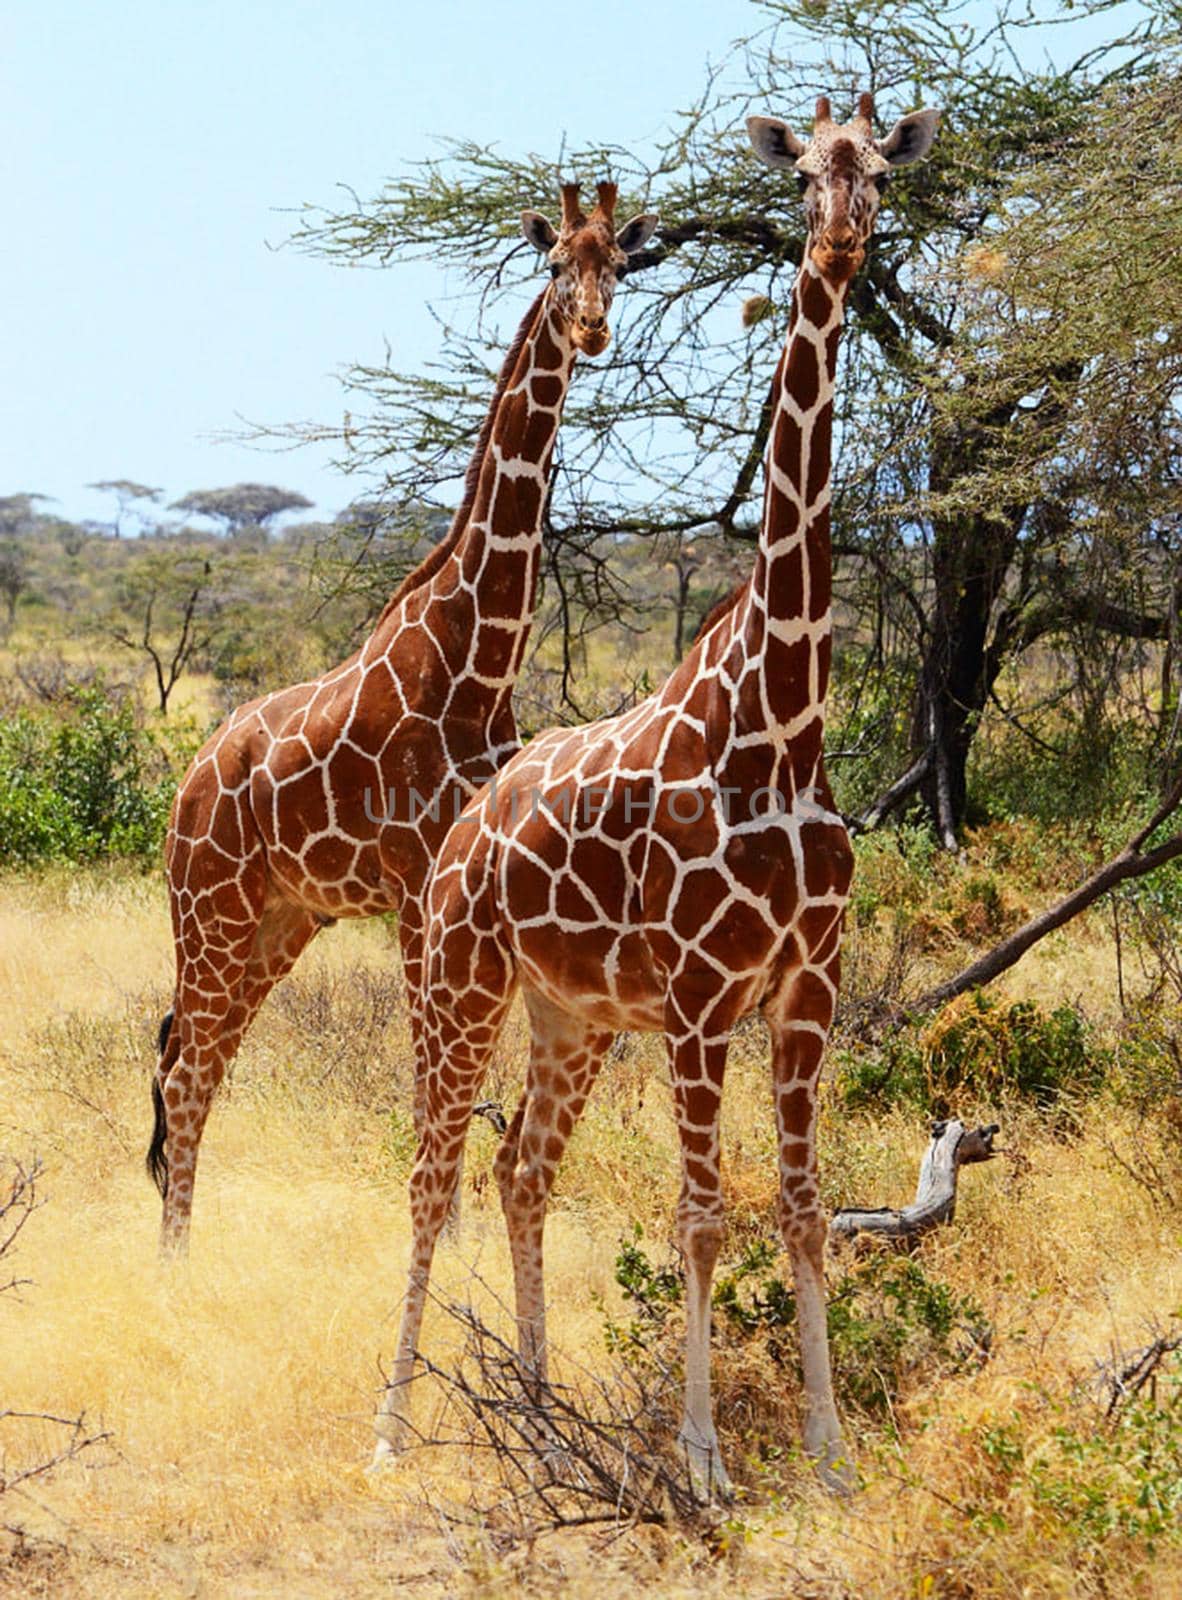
{"points": [[673, 869], [328, 799]]}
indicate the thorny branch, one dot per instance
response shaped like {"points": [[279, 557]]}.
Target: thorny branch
{"points": [[597, 1451], [20, 1200]]}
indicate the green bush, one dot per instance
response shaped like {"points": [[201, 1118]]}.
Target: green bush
{"points": [[975, 1050], [1101, 768], [889, 1319], [81, 781]]}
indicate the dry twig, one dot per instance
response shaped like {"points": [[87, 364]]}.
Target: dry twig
{"points": [[595, 1452]]}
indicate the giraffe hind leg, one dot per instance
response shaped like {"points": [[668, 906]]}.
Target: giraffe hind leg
{"points": [[203, 1038]]}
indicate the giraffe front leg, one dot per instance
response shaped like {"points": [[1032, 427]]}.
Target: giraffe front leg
{"points": [[565, 1055], [697, 1065], [799, 1023]]}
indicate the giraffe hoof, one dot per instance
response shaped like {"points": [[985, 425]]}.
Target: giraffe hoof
{"points": [[393, 1433], [708, 1476], [385, 1454], [834, 1468]]}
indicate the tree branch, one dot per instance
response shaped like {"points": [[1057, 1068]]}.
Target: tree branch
{"points": [[1132, 862]]}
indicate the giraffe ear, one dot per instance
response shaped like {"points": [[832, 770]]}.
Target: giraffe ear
{"points": [[634, 235], [538, 231], [911, 138], [774, 141]]}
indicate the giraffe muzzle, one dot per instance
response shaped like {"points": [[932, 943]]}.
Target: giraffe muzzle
{"points": [[838, 253], [591, 335]]}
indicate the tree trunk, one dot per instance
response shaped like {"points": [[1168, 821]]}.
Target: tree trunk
{"points": [[971, 559]]}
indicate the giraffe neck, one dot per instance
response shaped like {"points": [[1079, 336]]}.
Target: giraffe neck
{"points": [[785, 626], [500, 551], [481, 580]]}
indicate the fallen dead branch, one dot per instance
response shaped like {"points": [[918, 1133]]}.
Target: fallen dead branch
{"points": [[953, 1146]]}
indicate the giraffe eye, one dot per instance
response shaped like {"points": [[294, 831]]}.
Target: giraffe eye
{"points": [[802, 182], [555, 269], [880, 180]]}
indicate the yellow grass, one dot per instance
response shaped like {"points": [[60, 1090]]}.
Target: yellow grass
{"points": [[238, 1388]]}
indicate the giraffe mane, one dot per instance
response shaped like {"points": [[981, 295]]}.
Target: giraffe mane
{"points": [[721, 608], [431, 563]]}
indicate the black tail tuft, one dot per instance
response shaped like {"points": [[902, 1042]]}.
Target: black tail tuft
{"points": [[157, 1159]]}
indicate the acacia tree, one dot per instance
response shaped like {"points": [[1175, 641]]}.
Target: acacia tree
{"points": [[1075, 302], [944, 533], [129, 496], [242, 505]]}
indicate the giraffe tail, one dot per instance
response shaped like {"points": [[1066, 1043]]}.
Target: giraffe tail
{"points": [[157, 1158]]}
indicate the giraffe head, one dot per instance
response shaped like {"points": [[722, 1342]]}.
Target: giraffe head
{"points": [[842, 171], [586, 255]]}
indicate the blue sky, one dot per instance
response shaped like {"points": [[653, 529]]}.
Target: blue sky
{"points": [[150, 148]]}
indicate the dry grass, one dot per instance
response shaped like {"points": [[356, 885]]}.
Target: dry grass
{"points": [[238, 1388]]}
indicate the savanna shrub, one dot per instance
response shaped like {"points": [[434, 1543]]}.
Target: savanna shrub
{"points": [[80, 781], [989, 1051], [890, 1322], [1089, 1483], [976, 1049]]}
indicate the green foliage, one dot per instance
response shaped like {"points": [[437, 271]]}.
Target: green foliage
{"points": [[888, 1318], [1094, 1482], [654, 1291], [749, 1299], [868, 736], [1101, 768], [875, 1080], [1125, 1479], [896, 869], [976, 1050], [401, 1141], [82, 782]]}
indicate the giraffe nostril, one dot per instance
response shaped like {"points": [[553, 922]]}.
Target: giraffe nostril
{"points": [[592, 324]]}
